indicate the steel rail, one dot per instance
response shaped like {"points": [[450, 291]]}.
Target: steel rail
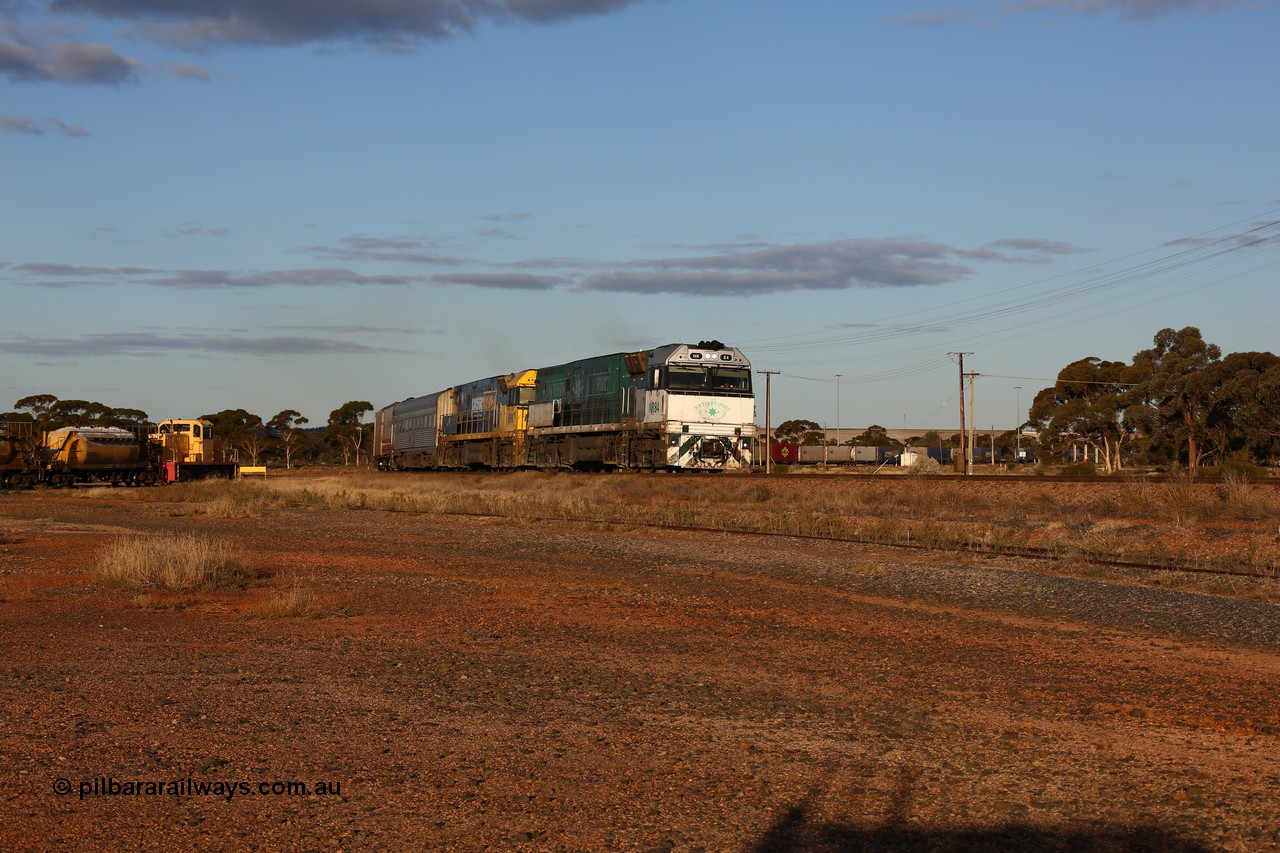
{"points": [[1021, 552]]}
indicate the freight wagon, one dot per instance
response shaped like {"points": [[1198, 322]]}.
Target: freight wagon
{"points": [[787, 453]]}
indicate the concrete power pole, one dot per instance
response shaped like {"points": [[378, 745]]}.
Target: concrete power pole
{"points": [[768, 426], [973, 385], [1017, 453]]}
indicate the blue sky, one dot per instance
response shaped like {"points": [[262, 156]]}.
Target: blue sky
{"points": [[273, 205]]}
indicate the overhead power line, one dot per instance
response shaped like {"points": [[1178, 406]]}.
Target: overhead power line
{"points": [[1064, 381], [1070, 305]]}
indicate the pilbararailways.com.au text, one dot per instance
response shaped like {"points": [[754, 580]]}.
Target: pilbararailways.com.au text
{"points": [[109, 786]]}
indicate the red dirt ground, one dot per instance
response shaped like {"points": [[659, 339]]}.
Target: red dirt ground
{"points": [[480, 684]]}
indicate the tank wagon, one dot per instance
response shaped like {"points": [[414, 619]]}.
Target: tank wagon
{"points": [[678, 406], [101, 454]]}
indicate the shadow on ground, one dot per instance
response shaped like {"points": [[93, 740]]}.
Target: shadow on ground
{"points": [[797, 831]]}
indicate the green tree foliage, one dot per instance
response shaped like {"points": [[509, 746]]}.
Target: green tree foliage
{"points": [[241, 429], [347, 430], [873, 436], [1176, 389], [801, 432], [1244, 420], [49, 413], [36, 408], [933, 438], [129, 417], [286, 427], [1178, 401], [1087, 404]]}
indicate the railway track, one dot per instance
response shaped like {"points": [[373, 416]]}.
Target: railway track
{"points": [[1047, 479], [1063, 553], [1020, 552]]}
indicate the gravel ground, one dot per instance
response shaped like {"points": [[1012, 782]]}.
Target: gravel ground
{"points": [[480, 684]]}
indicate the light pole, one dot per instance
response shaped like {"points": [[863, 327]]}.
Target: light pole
{"points": [[1017, 455]]}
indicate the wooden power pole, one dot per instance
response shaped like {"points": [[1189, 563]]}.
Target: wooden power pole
{"points": [[966, 467]]}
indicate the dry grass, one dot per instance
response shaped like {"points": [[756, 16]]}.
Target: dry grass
{"points": [[1094, 522], [1243, 500], [174, 562], [1156, 521], [205, 498], [293, 602]]}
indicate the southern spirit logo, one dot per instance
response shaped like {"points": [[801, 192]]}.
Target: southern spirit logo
{"points": [[712, 410]]}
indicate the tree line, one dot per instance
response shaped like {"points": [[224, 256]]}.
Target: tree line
{"points": [[285, 437], [1178, 403]]}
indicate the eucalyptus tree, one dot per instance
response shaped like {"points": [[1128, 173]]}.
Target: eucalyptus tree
{"points": [[242, 429], [346, 428], [287, 428], [1176, 390], [1088, 404], [801, 431]]}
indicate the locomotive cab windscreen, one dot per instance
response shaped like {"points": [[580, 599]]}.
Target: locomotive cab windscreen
{"points": [[703, 379], [521, 396], [169, 428]]}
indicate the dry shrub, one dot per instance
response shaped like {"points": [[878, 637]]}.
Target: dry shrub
{"points": [[293, 602], [925, 466], [1243, 500], [1139, 498], [1100, 540], [178, 562], [1180, 497]]}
